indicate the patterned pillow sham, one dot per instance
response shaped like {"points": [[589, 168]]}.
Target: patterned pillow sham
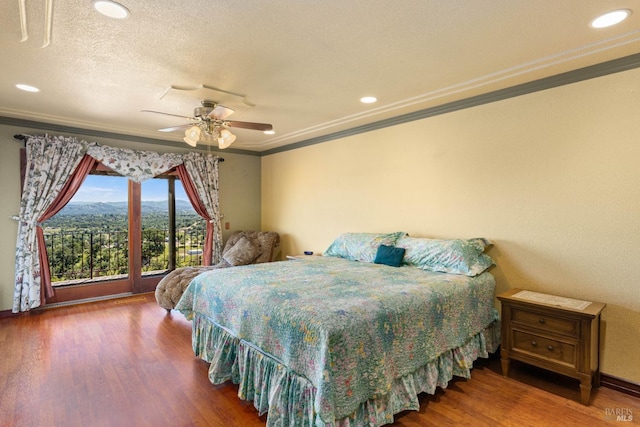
{"points": [[456, 256], [361, 246]]}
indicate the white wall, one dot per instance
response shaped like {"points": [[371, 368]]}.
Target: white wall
{"points": [[553, 178], [239, 194]]}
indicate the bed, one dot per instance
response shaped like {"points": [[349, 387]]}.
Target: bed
{"points": [[332, 340]]}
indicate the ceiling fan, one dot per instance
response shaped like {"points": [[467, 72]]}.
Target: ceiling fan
{"points": [[211, 120]]}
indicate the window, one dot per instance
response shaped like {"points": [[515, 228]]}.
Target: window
{"points": [[116, 230], [162, 225], [88, 238], [46, 153], [156, 223]]}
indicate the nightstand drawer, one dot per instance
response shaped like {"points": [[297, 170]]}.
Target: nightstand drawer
{"points": [[544, 347], [546, 322]]}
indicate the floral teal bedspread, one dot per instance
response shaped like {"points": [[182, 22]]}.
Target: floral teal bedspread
{"points": [[350, 328]]}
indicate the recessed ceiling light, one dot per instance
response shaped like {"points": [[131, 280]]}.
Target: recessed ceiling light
{"points": [[611, 18], [269, 132], [111, 9], [368, 99], [27, 88]]}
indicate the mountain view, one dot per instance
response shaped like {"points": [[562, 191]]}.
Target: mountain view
{"points": [[114, 215], [86, 240], [120, 208]]}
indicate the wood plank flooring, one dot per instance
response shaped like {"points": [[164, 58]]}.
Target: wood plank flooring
{"points": [[125, 362]]}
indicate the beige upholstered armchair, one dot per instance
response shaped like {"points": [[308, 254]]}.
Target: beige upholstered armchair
{"points": [[242, 247]]}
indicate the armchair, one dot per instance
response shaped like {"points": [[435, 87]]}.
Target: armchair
{"points": [[242, 248]]}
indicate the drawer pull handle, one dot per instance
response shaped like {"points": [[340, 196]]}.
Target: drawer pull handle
{"points": [[541, 320], [534, 343], [550, 347]]}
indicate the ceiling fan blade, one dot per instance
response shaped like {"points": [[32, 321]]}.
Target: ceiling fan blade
{"points": [[166, 114], [221, 112], [249, 125], [174, 128]]}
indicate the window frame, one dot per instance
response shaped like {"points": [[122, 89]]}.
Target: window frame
{"points": [[136, 282]]}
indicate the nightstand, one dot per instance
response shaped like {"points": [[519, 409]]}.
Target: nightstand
{"points": [[554, 333]]}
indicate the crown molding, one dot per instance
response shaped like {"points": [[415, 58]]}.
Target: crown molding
{"points": [[598, 70]]}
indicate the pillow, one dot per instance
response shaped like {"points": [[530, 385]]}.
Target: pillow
{"points": [[243, 252], [361, 246], [456, 256], [389, 255]]}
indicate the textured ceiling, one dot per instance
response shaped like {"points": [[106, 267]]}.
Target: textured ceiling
{"points": [[299, 65]]}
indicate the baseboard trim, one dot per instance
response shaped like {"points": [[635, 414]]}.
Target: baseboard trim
{"points": [[618, 384], [6, 313], [84, 300]]}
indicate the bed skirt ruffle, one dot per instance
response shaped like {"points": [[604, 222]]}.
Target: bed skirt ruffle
{"points": [[288, 397]]}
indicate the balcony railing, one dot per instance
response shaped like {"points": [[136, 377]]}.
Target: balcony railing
{"points": [[75, 255]]}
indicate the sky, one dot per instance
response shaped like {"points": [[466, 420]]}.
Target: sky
{"points": [[99, 188]]}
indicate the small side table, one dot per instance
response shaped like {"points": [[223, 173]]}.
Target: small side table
{"points": [[554, 333]]}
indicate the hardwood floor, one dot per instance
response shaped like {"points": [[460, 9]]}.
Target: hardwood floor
{"points": [[125, 362]]}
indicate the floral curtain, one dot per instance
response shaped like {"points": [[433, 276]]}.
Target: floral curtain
{"points": [[52, 161], [65, 195], [199, 176]]}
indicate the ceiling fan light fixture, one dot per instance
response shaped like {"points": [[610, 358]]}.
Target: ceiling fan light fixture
{"points": [[192, 135], [225, 139], [111, 9], [210, 119], [191, 142]]}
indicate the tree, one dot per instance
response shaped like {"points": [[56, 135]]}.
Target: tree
{"points": [[153, 242]]}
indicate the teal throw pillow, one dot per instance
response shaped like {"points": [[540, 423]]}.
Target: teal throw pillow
{"points": [[389, 255]]}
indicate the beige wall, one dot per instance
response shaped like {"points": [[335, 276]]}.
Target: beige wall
{"points": [[553, 178], [239, 195]]}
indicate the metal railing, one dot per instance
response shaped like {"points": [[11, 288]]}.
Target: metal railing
{"points": [[81, 254]]}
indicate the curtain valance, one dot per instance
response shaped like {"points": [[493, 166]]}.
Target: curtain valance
{"points": [[138, 166]]}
